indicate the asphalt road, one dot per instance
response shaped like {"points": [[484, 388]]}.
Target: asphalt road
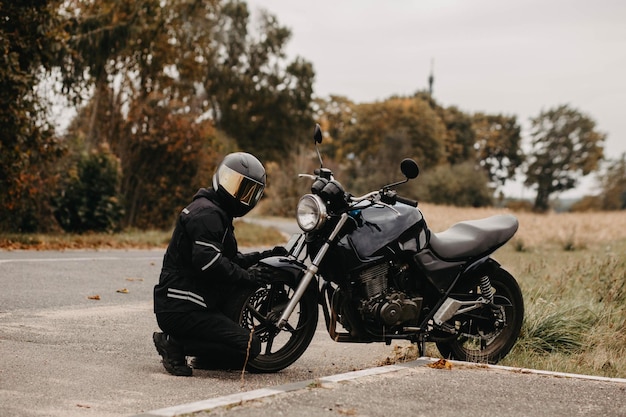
{"points": [[75, 340]]}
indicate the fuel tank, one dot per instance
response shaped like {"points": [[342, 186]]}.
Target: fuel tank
{"points": [[372, 229]]}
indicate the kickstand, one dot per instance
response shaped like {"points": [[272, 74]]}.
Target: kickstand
{"points": [[421, 346]]}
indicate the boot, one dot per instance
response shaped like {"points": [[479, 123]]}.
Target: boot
{"points": [[173, 355]]}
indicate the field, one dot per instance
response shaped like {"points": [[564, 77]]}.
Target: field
{"points": [[571, 268], [572, 271]]}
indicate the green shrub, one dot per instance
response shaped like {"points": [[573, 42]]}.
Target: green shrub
{"points": [[461, 185], [88, 200]]}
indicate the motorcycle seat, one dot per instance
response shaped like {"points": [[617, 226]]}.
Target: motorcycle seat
{"points": [[472, 238]]}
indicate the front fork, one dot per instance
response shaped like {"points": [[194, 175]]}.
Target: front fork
{"points": [[310, 273]]}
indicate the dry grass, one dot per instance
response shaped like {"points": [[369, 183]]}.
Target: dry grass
{"points": [[248, 234], [134, 239], [571, 231]]}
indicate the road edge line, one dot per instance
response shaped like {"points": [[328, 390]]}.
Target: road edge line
{"points": [[241, 397]]}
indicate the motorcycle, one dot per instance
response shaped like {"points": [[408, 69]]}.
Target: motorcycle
{"points": [[378, 273]]}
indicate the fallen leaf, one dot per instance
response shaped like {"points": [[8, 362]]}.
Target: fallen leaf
{"points": [[93, 297], [134, 279], [123, 291], [83, 406], [440, 364]]}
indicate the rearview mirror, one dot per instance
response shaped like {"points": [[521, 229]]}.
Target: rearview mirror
{"points": [[409, 168], [317, 135]]}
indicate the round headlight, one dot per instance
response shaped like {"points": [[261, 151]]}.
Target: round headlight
{"points": [[311, 213]]}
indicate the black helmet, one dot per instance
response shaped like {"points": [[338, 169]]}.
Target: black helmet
{"points": [[239, 180]]}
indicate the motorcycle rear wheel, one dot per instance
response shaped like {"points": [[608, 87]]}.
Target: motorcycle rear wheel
{"points": [[480, 341], [258, 309]]}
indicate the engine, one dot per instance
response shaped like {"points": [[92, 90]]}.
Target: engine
{"points": [[381, 303]]}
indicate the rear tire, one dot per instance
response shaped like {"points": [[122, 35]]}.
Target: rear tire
{"points": [[480, 340], [258, 310]]}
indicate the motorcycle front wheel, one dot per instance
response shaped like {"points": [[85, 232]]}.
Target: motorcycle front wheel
{"points": [[258, 310], [480, 338]]}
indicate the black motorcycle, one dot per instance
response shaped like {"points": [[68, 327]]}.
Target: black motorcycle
{"points": [[380, 274]]}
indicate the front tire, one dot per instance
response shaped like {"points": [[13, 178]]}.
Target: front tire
{"points": [[258, 310], [479, 339]]}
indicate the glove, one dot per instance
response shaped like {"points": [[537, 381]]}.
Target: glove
{"points": [[276, 251], [259, 275], [279, 251]]}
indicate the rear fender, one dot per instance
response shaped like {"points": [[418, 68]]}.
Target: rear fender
{"points": [[479, 268], [470, 277]]}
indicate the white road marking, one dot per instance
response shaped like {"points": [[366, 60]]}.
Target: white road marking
{"points": [[238, 398], [102, 258]]}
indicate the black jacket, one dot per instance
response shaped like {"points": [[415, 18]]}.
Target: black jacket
{"points": [[202, 259]]}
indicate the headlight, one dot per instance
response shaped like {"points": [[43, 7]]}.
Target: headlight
{"points": [[311, 213]]}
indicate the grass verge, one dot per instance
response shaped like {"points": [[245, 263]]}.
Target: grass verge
{"points": [[248, 234]]}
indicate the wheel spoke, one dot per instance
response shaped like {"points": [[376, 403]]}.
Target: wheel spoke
{"points": [[289, 328], [270, 343], [256, 314]]}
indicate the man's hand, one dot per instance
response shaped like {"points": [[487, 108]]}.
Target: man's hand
{"points": [[279, 251], [259, 275], [275, 251]]}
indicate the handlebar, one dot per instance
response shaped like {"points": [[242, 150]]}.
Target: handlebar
{"points": [[406, 201], [385, 195], [364, 197], [390, 195]]}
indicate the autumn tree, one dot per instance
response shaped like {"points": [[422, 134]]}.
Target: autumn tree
{"points": [[498, 145], [411, 119], [127, 48], [145, 60], [491, 141], [460, 136], [165, 72], [447, 140], [613, 185], [565, 146], [381, 134], [256, 95], [31, 46], [334, 114], [162, 171]]}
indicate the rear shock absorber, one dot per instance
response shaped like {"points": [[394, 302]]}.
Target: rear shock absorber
{"points": [[485, 288], [487, 292]]}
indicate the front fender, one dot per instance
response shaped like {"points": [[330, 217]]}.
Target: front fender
{"points": [[289, 268]]}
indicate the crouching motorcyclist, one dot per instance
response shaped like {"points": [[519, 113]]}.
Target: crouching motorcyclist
{"points": [[201, 267]]}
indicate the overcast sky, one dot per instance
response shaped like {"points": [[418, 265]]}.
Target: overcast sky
{"points": [[512, 57]]}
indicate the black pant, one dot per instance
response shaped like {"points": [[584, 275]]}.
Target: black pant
{"points": [[212, 336]]}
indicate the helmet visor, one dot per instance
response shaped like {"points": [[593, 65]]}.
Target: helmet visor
{"points": [[244, 189]]}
